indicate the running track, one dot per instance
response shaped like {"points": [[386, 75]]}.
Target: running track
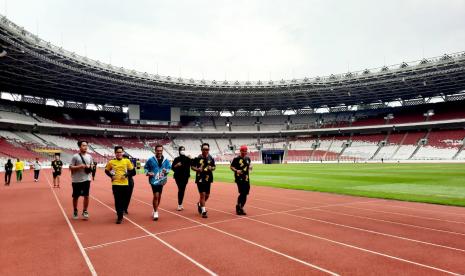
{"points": [[286, 232]]}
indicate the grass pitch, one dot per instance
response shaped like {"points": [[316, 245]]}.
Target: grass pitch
{"points": [[431, 183]]}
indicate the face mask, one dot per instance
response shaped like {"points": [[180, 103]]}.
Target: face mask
{"points": [[182, 152]]}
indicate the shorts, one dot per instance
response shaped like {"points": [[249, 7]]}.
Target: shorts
{"points": [[55, 174], [243, 187], [81, 189], [157, 188], [204, 187]]}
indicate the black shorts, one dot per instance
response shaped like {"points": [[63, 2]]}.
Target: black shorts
{"points": [[204, 187], [81, 189], [55, 174], [157, 188], [243, 187]]}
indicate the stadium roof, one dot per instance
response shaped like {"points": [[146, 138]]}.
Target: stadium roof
{"points": [[35, 67]]}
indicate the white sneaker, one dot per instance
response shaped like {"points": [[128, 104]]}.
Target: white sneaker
{"points": [[85, 214], [155, 216], [180, 208]]}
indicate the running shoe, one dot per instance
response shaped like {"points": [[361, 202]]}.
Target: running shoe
{"points": [[155, 216], [85, 214]]}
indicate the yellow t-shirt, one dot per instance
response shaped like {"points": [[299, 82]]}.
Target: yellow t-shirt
{"points": [[19, 166], [120, 168]]}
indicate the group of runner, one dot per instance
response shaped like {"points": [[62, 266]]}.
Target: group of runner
{"points": [[19, 168], [157, 168]]}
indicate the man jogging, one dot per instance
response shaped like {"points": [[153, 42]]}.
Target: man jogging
{"points": [[8, 172], [118, 170], [131, 174], [57, 165], [81, 174], [37, 167], [182, 169], [19, 168], [203, 165], [241, 165], [157, 169]]}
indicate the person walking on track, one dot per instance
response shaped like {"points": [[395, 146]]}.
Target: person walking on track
{"points": [[37, 166], [19, 168], [182, 168], [94, 169], [157, 169], [118, 170], [57, 166], [8, 172], [131, 175], [203, 165], [81, 174], [241, 166]]}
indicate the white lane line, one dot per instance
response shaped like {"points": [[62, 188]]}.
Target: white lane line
{"points": [[97, 246], [81, 248], [346, 245], [248, 241], [317, 208], [162, 241], [364, 230], [426, 210], [358, 248], [378, 233], [406, 215], [115, 242], [391, 222]]}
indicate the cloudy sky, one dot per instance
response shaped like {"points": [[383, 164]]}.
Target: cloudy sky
{"points": [[246, 39]]}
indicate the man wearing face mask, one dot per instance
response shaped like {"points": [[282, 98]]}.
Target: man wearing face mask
{"points": [[181, 167]]}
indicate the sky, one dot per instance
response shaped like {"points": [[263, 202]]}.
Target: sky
{"points": [[246, 39]]}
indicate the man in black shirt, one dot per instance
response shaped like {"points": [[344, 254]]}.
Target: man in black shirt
{"points": [[8, 172], [93, 168], [203, 165], [181, 167], [241, 165], [131, 175], [57, 165]]}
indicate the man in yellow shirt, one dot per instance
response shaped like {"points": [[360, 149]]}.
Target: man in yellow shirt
{"points": [[118, 170], [19, 167]]}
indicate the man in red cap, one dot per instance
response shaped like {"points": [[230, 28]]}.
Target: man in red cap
{"points": [[241, 165]]}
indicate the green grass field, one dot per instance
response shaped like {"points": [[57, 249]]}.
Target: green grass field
{"points": [[432, 183]]}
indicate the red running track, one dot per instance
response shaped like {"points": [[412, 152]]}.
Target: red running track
{"points": [[286, 232]]}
